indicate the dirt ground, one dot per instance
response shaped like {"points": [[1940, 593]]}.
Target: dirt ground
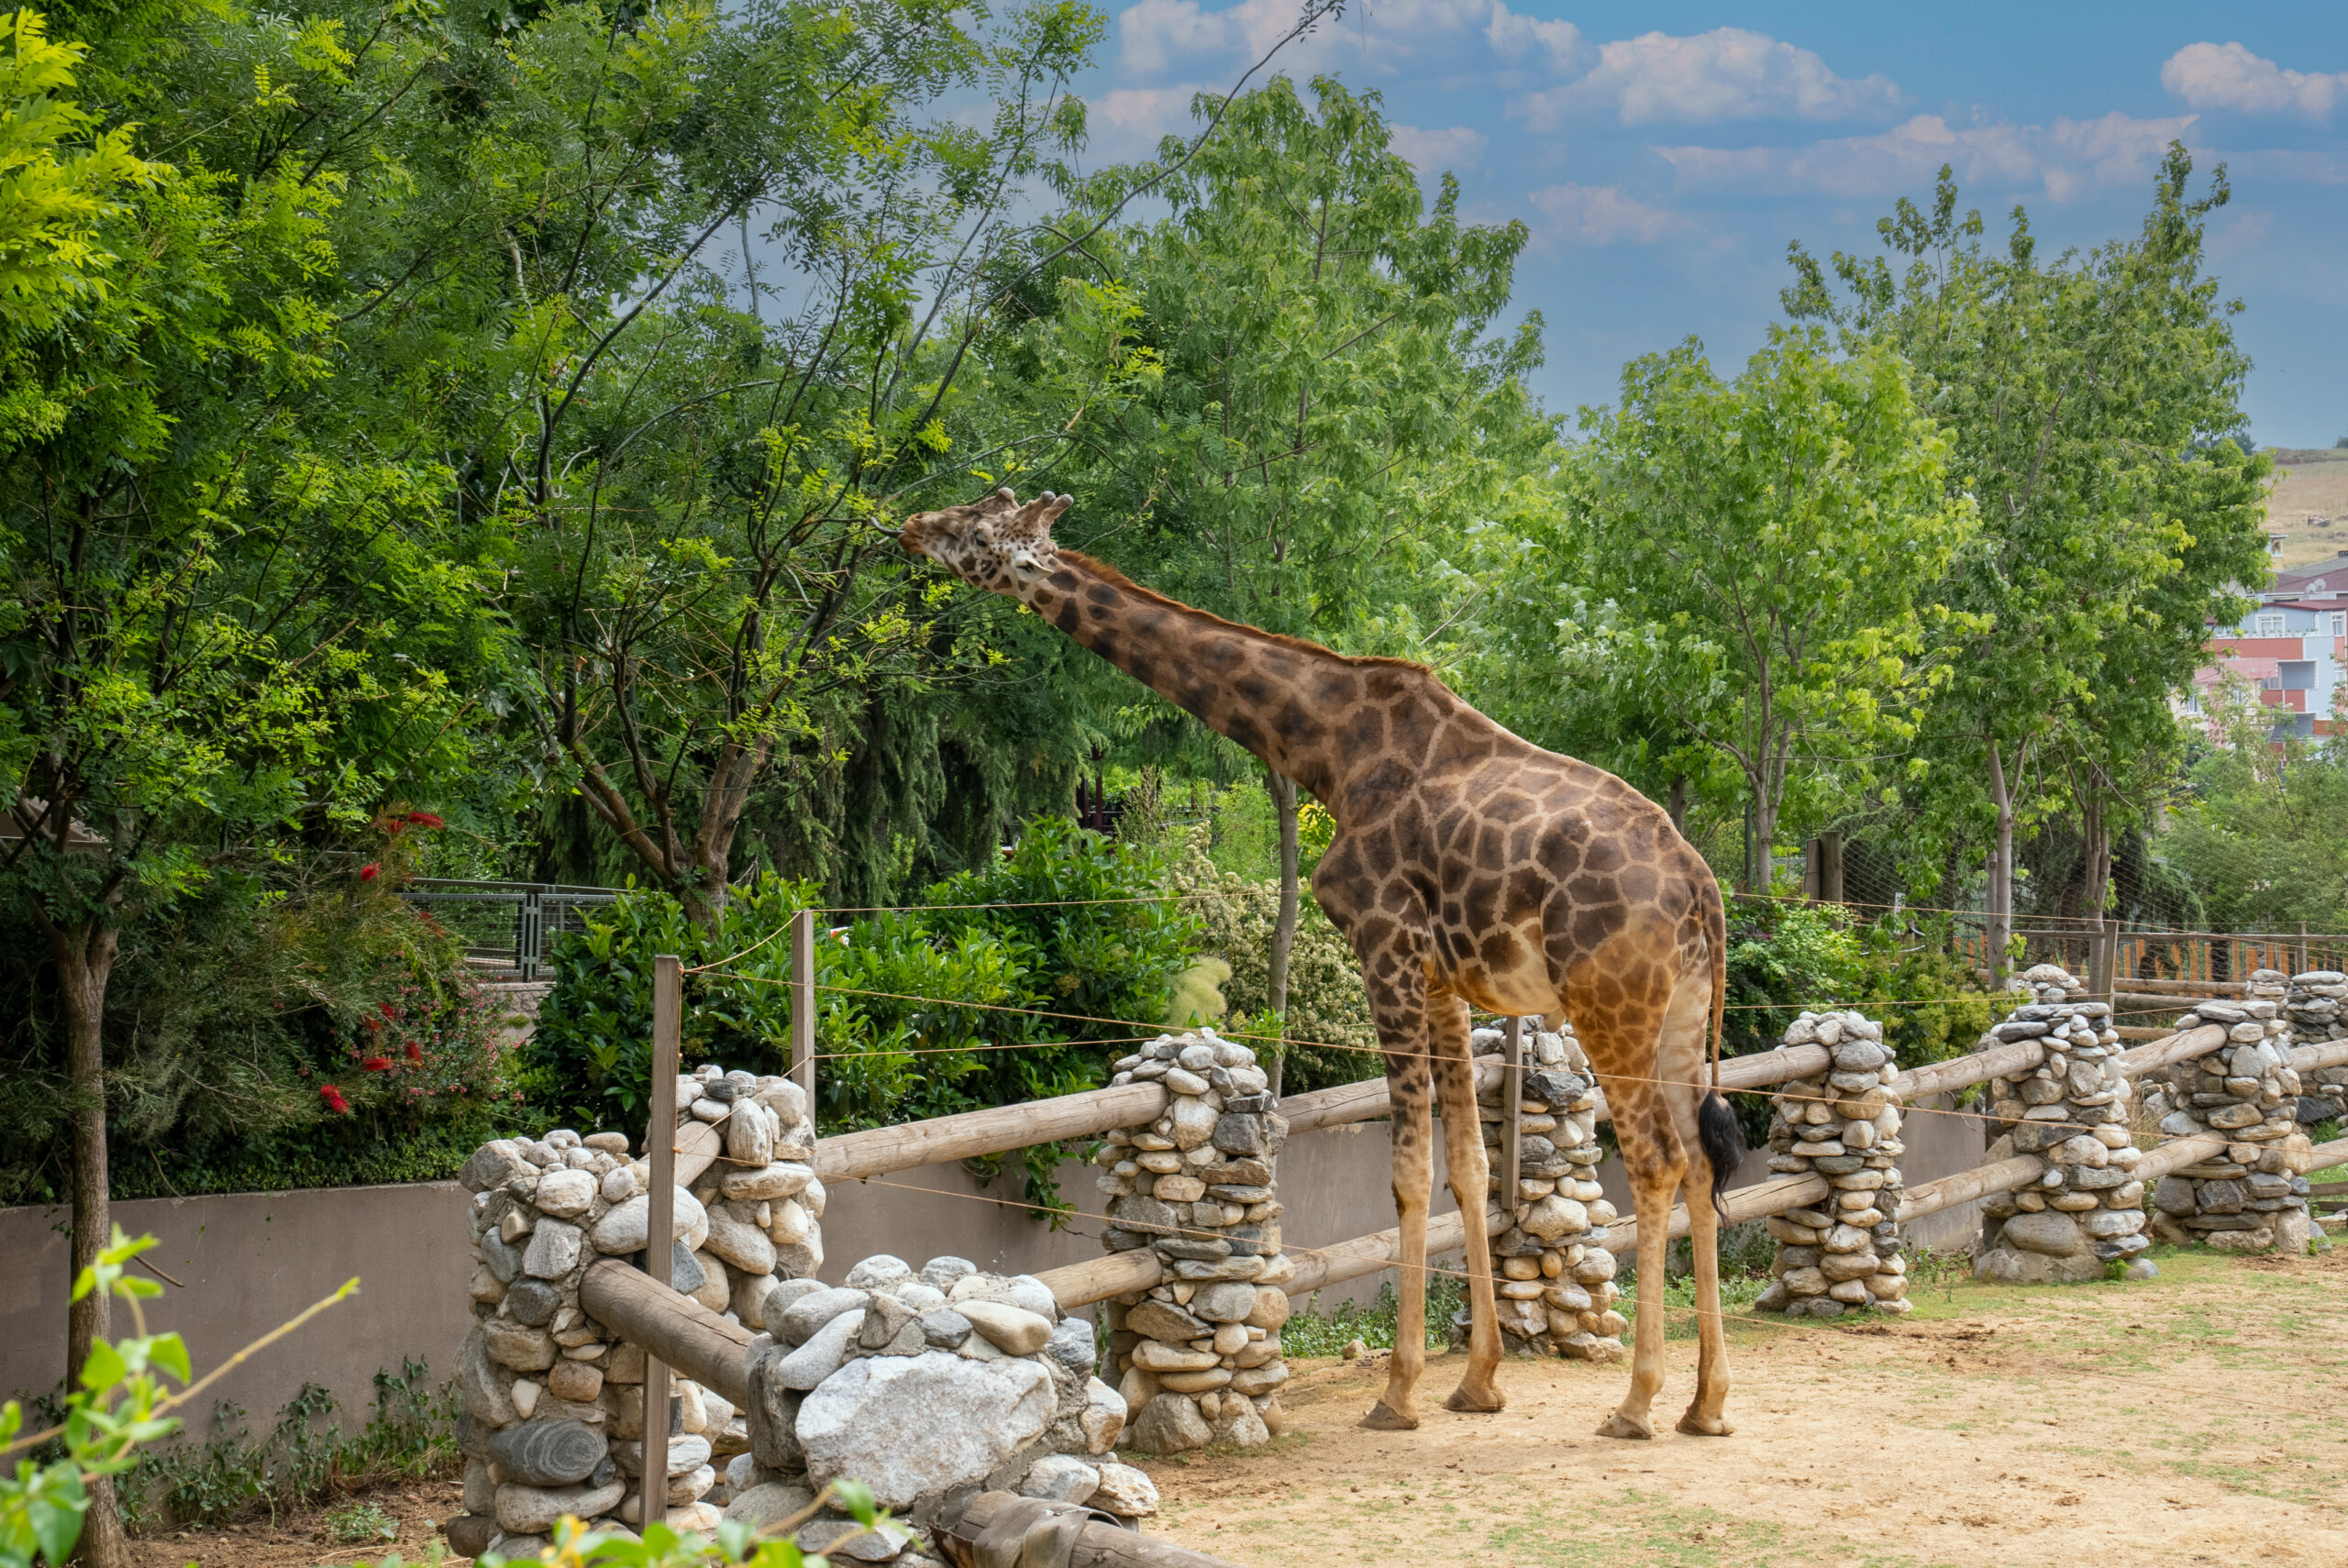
{"points": [[2196, 1419]]}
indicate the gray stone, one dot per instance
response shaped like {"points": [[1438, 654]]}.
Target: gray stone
{"points": [[2049, 1231], [1229, 1302], [529, 1510], [565, 1193], [2173, 1195], [1163, 1321], [885, 1317], [2221, 1198], [1102, 1418], [548, 1452], [1062, 1477], [482, 1390], [880, 1272], [1072, 1346], [916, 1426], [1014, 1330], [1148, 1217], [770, 1503], [827, 1351], [942, 1272], [470, 1534], [494, 1165], [772, 1416], [518, 1346], [746, 1247], [624, 1229], [555, 1247], [505, 1261], [1169, 1423], [945, 1328], [534, 1302], [811, 1311]]}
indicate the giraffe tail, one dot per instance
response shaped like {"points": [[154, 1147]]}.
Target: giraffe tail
{"points": [[1716, 1129]]}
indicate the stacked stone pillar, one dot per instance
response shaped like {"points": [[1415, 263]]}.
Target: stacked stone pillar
{"points": [[2075, 1110], [2253, 1196], [2318, 1010], [553, 1401], [1554, 1278], [1197, 1358], [1843, 1254]]}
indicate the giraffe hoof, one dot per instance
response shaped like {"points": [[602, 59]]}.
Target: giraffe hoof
{"points": [[1619, 1425], [1483, 1404], [1694, 1425], [1382, 1419]]}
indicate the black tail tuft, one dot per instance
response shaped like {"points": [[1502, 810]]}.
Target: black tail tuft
{"points": [[1723, 1141]]}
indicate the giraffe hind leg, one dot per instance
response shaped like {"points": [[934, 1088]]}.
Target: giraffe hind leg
{"points": [[1398, 1000]]}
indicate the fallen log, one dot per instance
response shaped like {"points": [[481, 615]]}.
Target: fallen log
{"points": [[1097, 1545]]}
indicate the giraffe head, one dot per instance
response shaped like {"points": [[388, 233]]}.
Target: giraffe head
{"points": [[995, 543]]}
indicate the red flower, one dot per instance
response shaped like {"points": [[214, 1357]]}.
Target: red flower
{"points": [[427, 820], [387, 1009], [370, 871], [414, 1052], [377, 1064], [333, 1097]]}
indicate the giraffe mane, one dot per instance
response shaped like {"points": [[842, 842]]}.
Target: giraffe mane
{"points": [[1116, 579]]}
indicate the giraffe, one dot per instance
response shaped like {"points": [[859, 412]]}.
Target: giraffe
{"points": [[1468, 868]]}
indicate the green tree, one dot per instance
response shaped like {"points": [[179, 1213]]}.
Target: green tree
{"points": [[2083, 400], [228, 611], [1749, 558], [2262, 834], [1325, 411]]}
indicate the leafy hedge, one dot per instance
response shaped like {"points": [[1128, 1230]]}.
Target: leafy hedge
{"points": [[957, 1004]]}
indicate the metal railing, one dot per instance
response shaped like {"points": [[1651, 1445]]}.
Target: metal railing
{"points": [[507, 923]]}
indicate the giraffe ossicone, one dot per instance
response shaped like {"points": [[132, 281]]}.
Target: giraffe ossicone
{"points": [[1470, 870]]}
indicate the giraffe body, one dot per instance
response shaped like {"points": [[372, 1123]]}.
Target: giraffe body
{"points": [[1469, 869]]}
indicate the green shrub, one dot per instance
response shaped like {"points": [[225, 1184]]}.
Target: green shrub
{"points": [[920, 1012], [1332, 1039], [314, 1031]]}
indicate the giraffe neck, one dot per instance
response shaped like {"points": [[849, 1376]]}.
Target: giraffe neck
{"points": [[1284, 699]]}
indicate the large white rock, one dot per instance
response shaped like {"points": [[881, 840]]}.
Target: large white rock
{"points": [[1061, 1477], [750, 1134], [907, 1426], [529, 1510]]}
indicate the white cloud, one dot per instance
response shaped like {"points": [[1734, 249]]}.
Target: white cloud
{"points": [[1729, 73], [1433, 151], [1158, 36], [1126, 124], [2228, 76], [1602, 214], [2065, 160], [1513, 37]]}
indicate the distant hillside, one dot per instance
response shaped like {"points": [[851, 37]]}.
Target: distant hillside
{"points": [[2309, 504]]}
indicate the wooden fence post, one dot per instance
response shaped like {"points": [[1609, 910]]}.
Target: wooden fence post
{"points": [[660, 1241], [802, 1005], [1512, 1107]]}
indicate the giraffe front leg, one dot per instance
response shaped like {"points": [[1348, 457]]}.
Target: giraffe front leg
{"points": [[1464, 1157]]}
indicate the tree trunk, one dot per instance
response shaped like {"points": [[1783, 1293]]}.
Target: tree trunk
{"points": [[2096, 867], [2000, 897], [84, 953], [1765, 837], [1678, 807], [1283, 794]]}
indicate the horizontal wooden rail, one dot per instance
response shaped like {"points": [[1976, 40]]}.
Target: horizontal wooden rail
{"points": [[678, 1329], [879, 1150], [2189, 988]]}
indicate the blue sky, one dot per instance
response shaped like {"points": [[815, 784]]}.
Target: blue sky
{"points": [[1664, 154]]}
